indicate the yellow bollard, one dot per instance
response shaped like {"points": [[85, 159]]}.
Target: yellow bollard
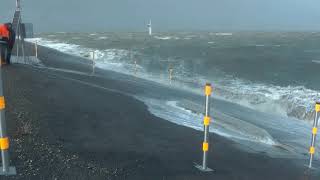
{"points": [[6, 169], [312, 149], [206, 124]]}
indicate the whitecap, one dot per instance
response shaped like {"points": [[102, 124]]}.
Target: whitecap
{"points": [[103, 37], [163, 37], [223, 34]]}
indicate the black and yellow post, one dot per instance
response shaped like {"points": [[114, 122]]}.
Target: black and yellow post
{"points": [[206, 124], [4, 139], [314, 133]]}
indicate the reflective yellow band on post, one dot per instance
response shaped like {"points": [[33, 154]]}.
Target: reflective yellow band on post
{"points": [[312, 150], [208, 90], [314, 130], [205, 146], [206, 120], [4, 143], [317, 107], [2, 103]]}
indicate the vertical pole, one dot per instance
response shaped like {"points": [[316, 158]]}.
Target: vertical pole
{"points": [[18, 37], [36, 49], [18, 4], [22, 46], [17, 44], [314, 133], [4, 140], [206, 123], [135, 67], [170, 74], [93, 62]]}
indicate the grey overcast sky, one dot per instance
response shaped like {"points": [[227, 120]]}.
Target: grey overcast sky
{"points": [[167, 15]]}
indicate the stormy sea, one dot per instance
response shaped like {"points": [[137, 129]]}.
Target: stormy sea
{"points": [[265, 83]]}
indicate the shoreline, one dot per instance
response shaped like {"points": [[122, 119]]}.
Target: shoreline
{"points": [[66, 130]]}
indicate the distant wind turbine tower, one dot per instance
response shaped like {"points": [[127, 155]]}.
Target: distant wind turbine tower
{"points": [[150, 28]]}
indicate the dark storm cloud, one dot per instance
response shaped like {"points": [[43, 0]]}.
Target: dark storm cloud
{"points": [[167, 15]]}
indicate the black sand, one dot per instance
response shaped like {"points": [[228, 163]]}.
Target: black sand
{"points": [[64, 129]]}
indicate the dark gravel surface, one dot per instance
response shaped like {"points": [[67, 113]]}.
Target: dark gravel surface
{"points": [[62, 129]]}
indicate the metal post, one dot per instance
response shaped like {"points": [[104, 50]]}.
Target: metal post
{"points": [[4, 140], [18, 37], [135, 67], [314, 133], [18, 4], [22, 46], [17, 45], [93, 62], [170, 74], [206, 123], [36, 49]]}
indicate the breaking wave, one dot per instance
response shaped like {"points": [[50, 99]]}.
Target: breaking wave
{"points": [[223, 125], [292, 101], [163, 37]]}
